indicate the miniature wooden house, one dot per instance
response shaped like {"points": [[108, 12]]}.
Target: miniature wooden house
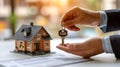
{"points": [[32, 39]]}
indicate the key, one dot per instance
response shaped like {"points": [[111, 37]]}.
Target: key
{"points": [[62, 33], [63, 40]]}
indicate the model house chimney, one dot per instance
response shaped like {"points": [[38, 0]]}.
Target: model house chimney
{"points": [[31, 24]]}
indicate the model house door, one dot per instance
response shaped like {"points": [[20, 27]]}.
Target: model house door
{"points": [[37, 46]]}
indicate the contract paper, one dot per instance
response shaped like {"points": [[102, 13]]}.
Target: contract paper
{"points": [[53, 60]]}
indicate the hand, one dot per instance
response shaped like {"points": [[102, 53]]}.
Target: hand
{"points": [[80, 16], [86, 49]]}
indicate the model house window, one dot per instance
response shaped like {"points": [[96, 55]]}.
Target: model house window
{"points": [[28, 45], [21, 45]]}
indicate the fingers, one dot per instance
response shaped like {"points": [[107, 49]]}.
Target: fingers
{"points": [[71, 14], [73, 46], [71, 17], [70, 22], [68, 15], [68, 47], [73, 28], [64, 48]]}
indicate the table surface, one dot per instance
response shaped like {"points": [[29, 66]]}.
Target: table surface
{"points": [[104, 60]]}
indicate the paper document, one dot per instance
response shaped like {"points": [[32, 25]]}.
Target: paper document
{"points": [[53, 60]]}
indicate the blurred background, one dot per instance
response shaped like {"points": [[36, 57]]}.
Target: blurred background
{"points": [[47, 13]]}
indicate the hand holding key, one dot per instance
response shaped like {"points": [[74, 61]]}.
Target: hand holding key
{"points": [[62, 33]]}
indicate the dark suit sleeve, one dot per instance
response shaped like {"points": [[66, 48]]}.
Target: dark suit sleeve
{"points": [[115, 43], [113, 24], [113, 17]]}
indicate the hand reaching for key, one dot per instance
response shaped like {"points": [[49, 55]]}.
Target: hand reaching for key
{"points": [[75, 16], [86, 49], [80, 16]]}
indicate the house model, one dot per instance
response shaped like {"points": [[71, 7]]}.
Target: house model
{"points": [[32, 39]]}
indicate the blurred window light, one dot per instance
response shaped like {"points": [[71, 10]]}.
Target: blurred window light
{"points": [[63, 2], [5, 11], [108, 4], [52, 12], [48, 12], [3, 25], [22, 11], [33, 10], [42, 21], [5, 32], [1, 3], [32, 0]]}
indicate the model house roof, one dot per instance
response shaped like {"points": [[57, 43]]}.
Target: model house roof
{"points": [[30, 31]]}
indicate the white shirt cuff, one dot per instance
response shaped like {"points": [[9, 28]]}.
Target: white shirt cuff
{"points": [[107, 45], [103, 18]]}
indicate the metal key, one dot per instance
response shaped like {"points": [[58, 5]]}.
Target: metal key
{"points": [[62, 33], [63, 38]]}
